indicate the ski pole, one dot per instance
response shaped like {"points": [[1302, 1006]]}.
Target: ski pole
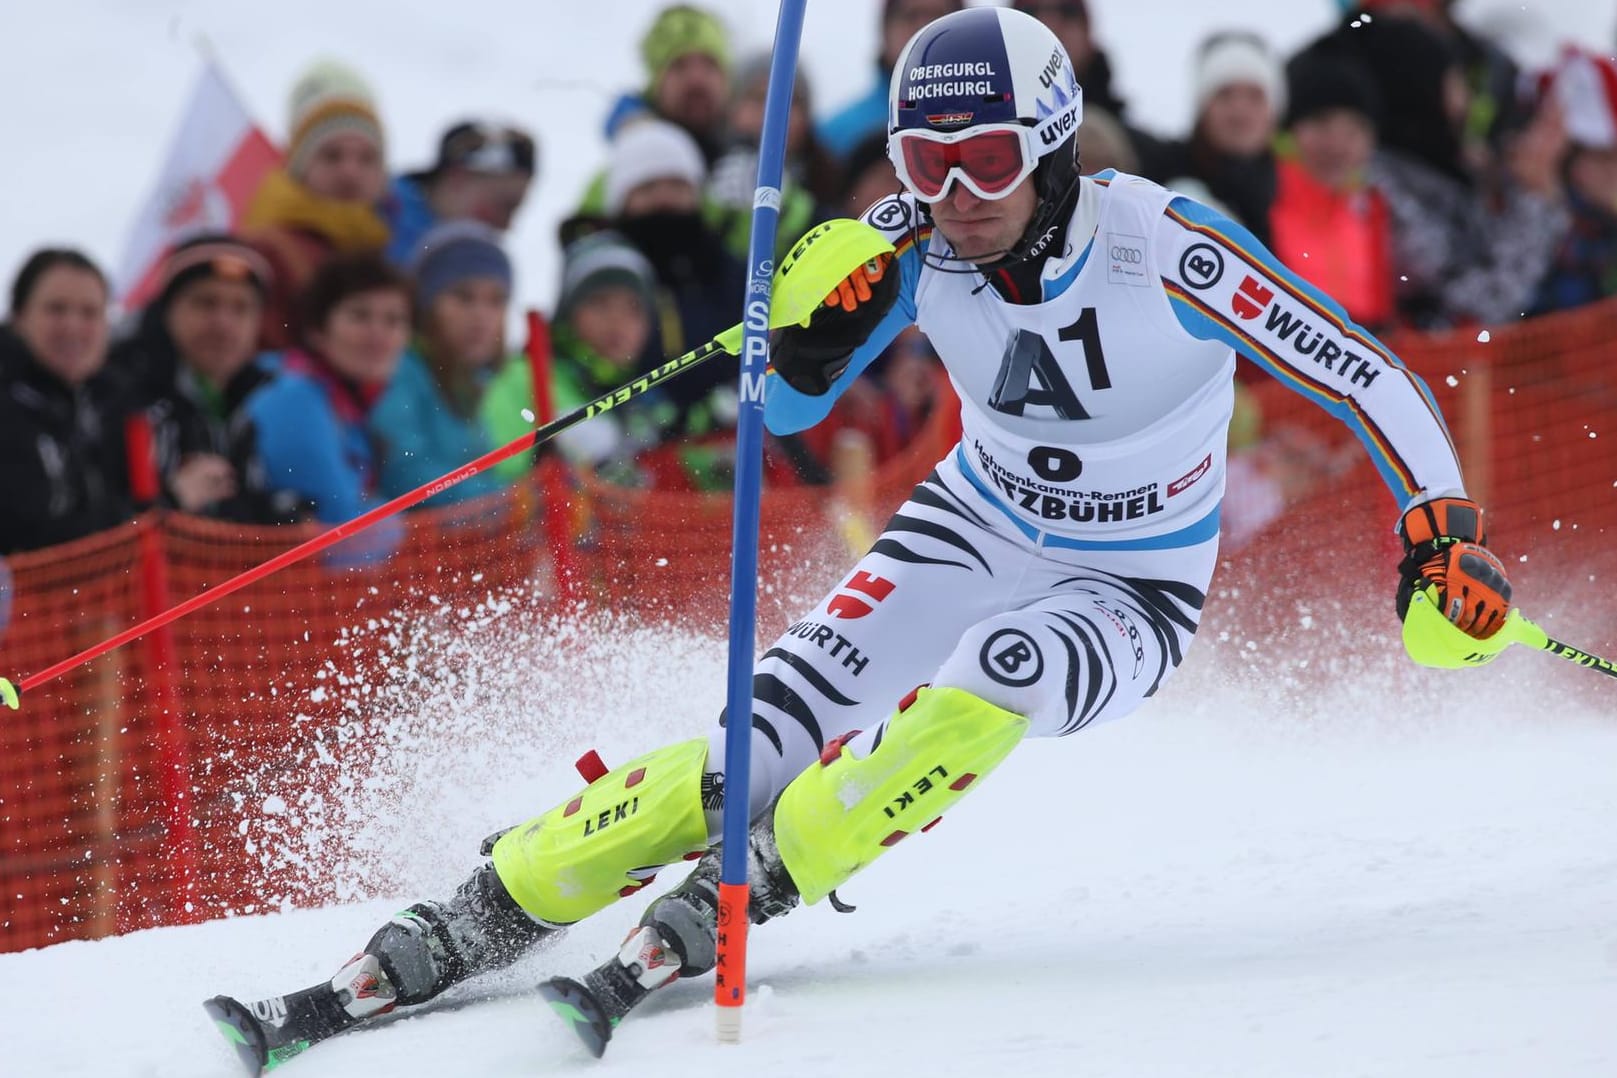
{"points": [[1526, 632], [730, 973], [604, 403], [828, 253], [1433, 640]]}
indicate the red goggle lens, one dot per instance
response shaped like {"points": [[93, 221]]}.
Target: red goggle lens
{"points": [[992, 159]]}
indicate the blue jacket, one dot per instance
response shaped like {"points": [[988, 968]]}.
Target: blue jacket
{"points": [[425, 439], [840, 132], [313, 439], [408, 216]]}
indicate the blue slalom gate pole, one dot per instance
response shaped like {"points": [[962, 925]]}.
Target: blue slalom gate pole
{"points": [[730, 985]]}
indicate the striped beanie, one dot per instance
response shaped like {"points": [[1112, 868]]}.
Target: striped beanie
{"points": [[329, 99]]}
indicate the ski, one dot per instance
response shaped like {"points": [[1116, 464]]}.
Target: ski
{"points": [[583, 1011], [268, 1032], [595, 1005]]}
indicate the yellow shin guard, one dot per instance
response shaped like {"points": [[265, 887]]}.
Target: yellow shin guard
{"points": [[843, 813], [578, 857]]}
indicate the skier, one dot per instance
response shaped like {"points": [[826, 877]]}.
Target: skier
{"points": [[1048, 575]]}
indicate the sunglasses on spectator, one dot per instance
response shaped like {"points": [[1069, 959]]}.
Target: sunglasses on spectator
{"points": [[989, 160], [486, 148]]}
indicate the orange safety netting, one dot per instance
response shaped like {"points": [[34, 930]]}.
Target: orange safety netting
{"points": [[117, 814]]}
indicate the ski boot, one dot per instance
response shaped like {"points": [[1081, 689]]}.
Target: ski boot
{"points": [[414, 957]]}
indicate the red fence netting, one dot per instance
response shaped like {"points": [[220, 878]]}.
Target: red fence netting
{"points": [[88, 841]]}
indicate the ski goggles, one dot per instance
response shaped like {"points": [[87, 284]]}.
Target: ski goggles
{"points": [[990, 160]]}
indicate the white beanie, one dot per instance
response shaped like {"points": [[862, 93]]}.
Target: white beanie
{"points": [[651, 150], [1231, 59]]}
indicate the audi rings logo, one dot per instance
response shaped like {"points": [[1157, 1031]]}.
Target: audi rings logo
{"points": [[1132, 256]]}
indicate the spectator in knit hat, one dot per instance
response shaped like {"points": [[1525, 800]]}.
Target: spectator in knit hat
{"points": [[429, 416], [1585, 266], [686, 53], [653, 196], [1470, 244], [62, 468], [810, 179], [1327, 222], [325, 199], [196, 352], [483, 173], [844, 129], [599, 334], [1228, 160], [687, 61], [312, 420]]}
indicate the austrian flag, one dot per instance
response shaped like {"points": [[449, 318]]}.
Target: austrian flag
{"points": [[215, 164]]}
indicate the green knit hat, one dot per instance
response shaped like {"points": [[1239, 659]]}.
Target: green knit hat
{"points": [[679, 30]]}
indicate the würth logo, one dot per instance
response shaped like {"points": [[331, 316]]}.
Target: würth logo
{"points": [[1251, 298], [846, 604]]}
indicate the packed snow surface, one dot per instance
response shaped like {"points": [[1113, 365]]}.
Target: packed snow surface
{"points": [[1259, 874]]}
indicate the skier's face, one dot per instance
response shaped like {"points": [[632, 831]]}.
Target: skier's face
{"points": [[981, 230]]}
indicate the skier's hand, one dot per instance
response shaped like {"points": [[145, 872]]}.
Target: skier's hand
{"points": [[811, 357], [1444, 546]]}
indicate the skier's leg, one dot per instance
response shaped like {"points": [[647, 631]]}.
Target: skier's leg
{"points": [[1092, 648]]}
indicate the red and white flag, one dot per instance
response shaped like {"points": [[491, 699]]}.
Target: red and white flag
{"points": [[217, 159]]}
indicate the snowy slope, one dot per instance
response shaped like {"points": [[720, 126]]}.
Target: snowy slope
{"points": [[1217, 886], [90, 90]]}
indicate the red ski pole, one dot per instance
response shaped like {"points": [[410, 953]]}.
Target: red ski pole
{"points": [[728, 342]]}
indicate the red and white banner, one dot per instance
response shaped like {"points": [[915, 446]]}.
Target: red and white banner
{"points": [[217, 159]]}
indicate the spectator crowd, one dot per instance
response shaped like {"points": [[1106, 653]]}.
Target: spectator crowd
{"points": [[347, 343]]}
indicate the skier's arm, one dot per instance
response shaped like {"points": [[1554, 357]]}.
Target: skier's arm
{"points": [[816, 363], [1224, 285]]}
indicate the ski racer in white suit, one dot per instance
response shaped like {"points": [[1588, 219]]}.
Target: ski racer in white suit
{"points": [[1049, 574]]}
